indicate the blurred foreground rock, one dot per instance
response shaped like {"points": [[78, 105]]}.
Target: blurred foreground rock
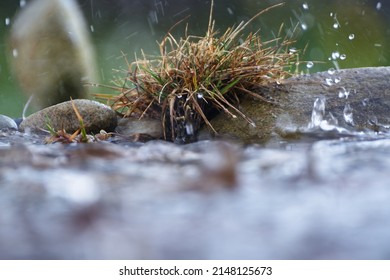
{"points": [[96, 116], [52, 55], [346, 100]]}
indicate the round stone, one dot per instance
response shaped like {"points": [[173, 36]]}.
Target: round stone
{"points": [[96, 116]]}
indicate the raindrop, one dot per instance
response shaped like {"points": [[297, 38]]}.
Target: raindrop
{"points": [[304, 26], [7, 21], [329, 81], [344, 93], [22, 3], [15, 52], [92, 28], [348, 114], [179, 96], [230, 11], [378, 6], [343, 56], [318, 112], [189, 129], [305, 6], [331, 71], [336, 25], [335, 55], [310, 64], [200, 95], [351, 36], [378, 45]]}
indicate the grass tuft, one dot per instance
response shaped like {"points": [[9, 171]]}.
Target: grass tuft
{"points": [[193, 77]]}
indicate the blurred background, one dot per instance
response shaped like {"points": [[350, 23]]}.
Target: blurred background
{"points": [[335, 33]]}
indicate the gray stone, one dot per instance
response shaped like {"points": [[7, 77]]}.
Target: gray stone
{"points": [[363, 91], [133, 126], [7, 123], [96, 116], [51, 53]]}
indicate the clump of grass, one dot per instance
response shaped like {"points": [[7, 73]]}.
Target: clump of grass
{"points": [[194, 76]]}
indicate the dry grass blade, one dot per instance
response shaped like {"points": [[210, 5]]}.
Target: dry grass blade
{"points": [[195, 76]]}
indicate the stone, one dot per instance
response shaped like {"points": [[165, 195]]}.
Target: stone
{"points": [[96, 116], [353, 99], [51, 52], [7, 123], [133, 126]]}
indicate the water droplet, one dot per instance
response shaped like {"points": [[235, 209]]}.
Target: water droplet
{"points": [[335, 55], [15, 52], [366, 101], [304, 26], [331, 14], [189, 129], [343, 56], [7, 21], [92, 28], [336, 25], [305, 6], [329, 81], [344, 93], [22, 3], [230, 11], [351, 36], [200, 95], [348, 114], [179, 96], [310, 64], [318, 112], [331, 71], [378, 6], [292, 50], [377, 45]]}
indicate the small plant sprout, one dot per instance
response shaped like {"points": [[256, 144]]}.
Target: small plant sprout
{"points": [[195, 77]]}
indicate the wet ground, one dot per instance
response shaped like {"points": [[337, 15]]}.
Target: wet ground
{"points": [[318, 197]]}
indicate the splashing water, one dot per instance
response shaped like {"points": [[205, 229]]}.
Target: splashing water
{"points": [[318, 112], [348, 114]]}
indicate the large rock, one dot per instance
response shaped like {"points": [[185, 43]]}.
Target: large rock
{"points": [[52, 56], [96, 116], [350, 99]]}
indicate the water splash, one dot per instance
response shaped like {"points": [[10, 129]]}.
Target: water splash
{"points": [[351, 36], [348, 114], [318, 112], [344, 93], [309, 64]]}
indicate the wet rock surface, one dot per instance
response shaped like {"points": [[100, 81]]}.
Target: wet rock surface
{"points": [[7, 123], [352, 99], [320, 199], [96, 116]]}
